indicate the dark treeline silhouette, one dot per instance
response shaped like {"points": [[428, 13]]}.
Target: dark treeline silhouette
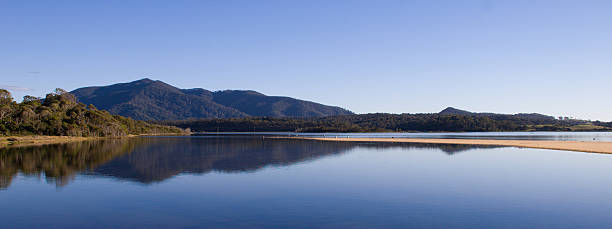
{"points": [[59, 114], [605, 124], [381, 122]]}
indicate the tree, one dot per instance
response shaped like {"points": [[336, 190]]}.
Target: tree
{"points": [[31, 99], [65, 96], [59, 91], [5, 97], [5, 110]]}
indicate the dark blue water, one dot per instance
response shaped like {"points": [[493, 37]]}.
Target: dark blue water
{"points": [[242, 182]]}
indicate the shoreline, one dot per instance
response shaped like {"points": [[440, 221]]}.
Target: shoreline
{"points": [[36, 140], [577, 146]]}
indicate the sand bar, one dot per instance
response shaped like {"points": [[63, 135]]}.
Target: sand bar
{"points": [[581, 146]]}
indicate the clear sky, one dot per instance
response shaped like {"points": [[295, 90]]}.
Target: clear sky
{"points": [[550, 57]]}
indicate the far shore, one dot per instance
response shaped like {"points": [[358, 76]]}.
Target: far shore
{"points": [[35, 140], [579, 146]]}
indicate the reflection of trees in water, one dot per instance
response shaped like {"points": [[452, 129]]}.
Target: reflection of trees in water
{"points": [[58, 163], [155, 159]]}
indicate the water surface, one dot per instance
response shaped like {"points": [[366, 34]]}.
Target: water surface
{"points": [[237, 182]]}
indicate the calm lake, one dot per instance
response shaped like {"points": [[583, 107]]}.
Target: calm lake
{"points": [[253, 182]]}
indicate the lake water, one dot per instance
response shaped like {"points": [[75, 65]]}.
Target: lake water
{"points": [[253, 182]]}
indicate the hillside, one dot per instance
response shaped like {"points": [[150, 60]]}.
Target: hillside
{"points": [[529, 116], [155, 100], [256, 104]]}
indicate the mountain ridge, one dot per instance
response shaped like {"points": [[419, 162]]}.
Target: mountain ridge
{"points": [[147, 99]]}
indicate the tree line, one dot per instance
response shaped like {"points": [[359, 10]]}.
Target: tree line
{"points": [[60, 114], [382, 122]]}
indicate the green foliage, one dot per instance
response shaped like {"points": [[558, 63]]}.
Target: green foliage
{"points": [[5, 97], [59, 114]]}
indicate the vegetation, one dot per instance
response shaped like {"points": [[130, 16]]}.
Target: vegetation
{"points": [[59, 114], [380, 122]]}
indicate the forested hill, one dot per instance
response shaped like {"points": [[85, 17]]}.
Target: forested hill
{"points": [[381, 122], [155, 100], [59, 114], [534, 117]]}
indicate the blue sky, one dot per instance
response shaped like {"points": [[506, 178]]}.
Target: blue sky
{"points": [[551, 57]]}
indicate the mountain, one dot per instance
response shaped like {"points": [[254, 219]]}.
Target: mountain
{"points": [[154, 100], [147, 99]]}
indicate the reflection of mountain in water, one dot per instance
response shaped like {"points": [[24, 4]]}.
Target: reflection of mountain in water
{"points": [[162, 158], [155, 159]]}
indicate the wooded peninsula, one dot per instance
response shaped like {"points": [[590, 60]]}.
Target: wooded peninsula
{"points": [[59, 114]]}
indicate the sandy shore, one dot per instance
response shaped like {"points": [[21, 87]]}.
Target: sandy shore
{"points": [[15, 141], [592, 147], [39, 140]]}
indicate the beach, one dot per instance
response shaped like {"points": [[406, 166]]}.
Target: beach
{"points": [[580, 146]]}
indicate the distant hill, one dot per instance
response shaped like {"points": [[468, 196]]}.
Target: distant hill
{"points": [[155, 100], [454, 111], [529, 116]]}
